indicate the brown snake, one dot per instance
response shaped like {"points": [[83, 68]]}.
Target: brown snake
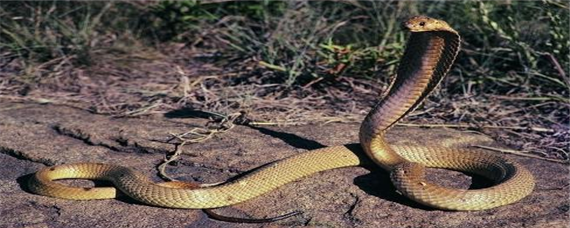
{"points": [[430, 52]]}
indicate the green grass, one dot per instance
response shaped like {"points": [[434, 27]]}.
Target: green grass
{"points": [[508, 47], [294, 39], [43, 31], [55, 32], [305, 41]]}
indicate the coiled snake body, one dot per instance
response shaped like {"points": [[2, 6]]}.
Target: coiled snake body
{"points": [[429, 54]]}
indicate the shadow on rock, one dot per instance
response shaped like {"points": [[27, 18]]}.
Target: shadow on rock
{"points": [[187, 113], [291, 139], [376, 183], [23, 182], [479, 182], [379, 184]]}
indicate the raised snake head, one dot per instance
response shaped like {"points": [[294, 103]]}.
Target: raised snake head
{"points": [[426, 24]]}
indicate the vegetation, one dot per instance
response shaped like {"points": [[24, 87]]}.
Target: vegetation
{"points": [[271, 55]]}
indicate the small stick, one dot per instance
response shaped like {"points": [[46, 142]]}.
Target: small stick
{"points": [[312, 82], [162, 166], [537, 129], [196, 135], [558, 68], [520, 153]]}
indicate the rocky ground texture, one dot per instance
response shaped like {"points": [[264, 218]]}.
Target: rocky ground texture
{"points": [[33, 136]]}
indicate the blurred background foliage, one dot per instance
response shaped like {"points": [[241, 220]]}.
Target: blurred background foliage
{"points": [[504, 42]]}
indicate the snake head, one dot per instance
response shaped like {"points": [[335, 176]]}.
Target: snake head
{"points": [[426, 24]]}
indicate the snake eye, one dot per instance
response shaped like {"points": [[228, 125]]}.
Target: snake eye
{"points": [[422, 23]]}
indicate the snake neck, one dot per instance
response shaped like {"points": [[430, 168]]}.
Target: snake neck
{"points": [[427, 58]]}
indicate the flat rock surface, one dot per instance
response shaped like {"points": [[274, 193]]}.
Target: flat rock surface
{"points": [[33, 136]]}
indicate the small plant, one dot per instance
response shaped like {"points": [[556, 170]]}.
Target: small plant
{"points": [[176, 20], [44, 31], [338, 60]]}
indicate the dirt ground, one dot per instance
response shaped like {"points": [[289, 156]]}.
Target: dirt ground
{"points": [[113, 95], [34, 136]]}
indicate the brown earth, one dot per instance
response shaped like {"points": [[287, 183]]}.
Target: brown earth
{"points": [[33, 136]]}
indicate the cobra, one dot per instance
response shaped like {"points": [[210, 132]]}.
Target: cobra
{"points": [[431, 50]]}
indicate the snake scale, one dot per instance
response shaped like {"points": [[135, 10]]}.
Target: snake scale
{"points": [[430, 51]]}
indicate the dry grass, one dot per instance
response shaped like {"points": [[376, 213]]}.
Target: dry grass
{"points": [[507, 83]]}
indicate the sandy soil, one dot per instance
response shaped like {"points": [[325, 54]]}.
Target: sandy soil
{"points": [[33, 136]]}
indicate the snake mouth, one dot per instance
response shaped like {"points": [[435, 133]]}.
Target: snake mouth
{"points": [[407, 24], [415, 22]]}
